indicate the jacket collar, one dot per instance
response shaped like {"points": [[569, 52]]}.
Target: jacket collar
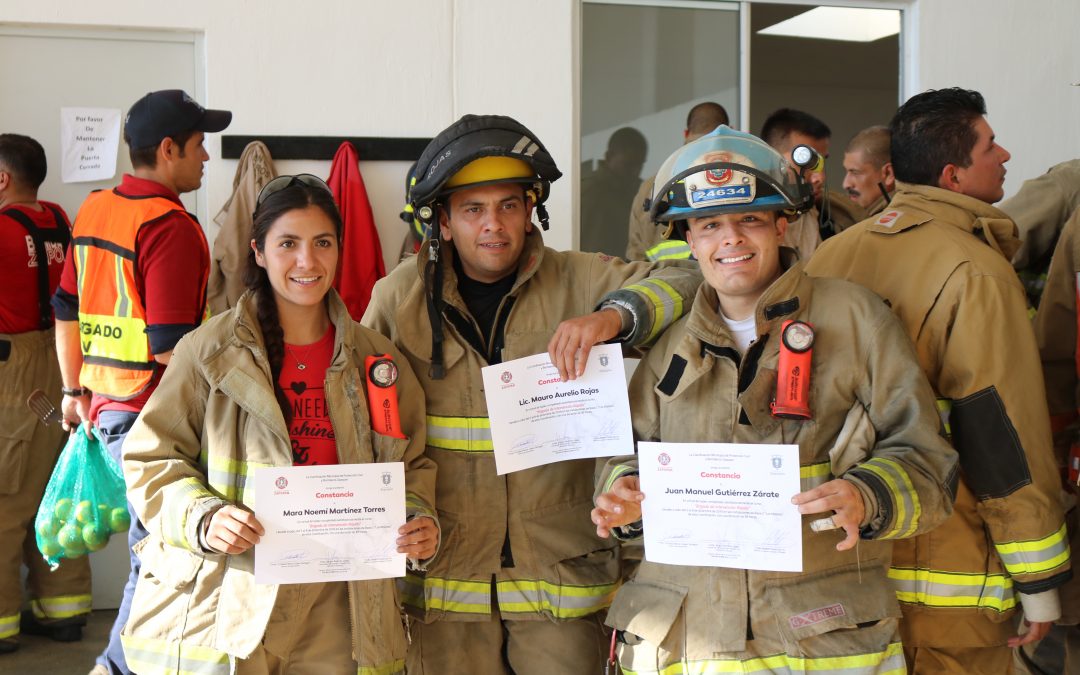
{"points": [[913, 205], [245, 325], [784, 298]]}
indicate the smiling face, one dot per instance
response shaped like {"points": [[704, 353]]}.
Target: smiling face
{"points": [[488, 225], [984, 177], [739, 255], [300, 256]]}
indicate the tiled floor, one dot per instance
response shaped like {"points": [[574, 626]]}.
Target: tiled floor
{"points": [[42, 656]]}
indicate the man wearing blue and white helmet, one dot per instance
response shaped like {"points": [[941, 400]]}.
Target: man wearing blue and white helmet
{"points": [[768, 355]]}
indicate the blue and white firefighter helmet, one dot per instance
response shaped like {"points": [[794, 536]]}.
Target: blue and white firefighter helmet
{"points": [[726, 171]]}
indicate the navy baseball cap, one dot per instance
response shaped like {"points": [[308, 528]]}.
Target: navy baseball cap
{"points": [[166, 113]]}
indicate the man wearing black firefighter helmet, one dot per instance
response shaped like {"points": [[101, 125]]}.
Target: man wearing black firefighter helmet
{"points": [[521, 575]]}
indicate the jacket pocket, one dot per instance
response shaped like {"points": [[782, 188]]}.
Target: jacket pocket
{"points": [[815, 604], [388, 448], [647, 609], [562, 532], [167, 565]]}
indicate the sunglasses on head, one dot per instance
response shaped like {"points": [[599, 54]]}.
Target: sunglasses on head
{"points": [[282, 182]]}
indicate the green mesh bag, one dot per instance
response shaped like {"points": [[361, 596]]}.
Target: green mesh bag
{"points": [[85, 501]]}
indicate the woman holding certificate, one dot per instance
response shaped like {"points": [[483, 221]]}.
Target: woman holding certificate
{"points": [[278, 381]]}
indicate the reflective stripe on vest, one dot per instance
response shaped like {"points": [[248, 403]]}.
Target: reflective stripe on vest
{"points": [[951, 589], [669, 250], [890, 661], [944, 409], [515, 596], [461, 434], [666, 301], [906, 503], [160, 656], [1036, 556], [61, 606], [117, 361]]}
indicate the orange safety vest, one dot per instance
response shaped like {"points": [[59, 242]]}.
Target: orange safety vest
{"points": [[117, 361]]}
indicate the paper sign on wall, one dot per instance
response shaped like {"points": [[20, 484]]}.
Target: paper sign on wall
{"points": [[89, 139]]}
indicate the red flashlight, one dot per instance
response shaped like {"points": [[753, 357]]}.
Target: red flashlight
{"points": [[382, 374], [793, 371]]}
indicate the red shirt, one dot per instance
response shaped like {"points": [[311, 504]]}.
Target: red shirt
{"points": [[19, 308], [311, 433], [172, 266]]}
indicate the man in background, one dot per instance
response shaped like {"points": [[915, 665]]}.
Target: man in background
{"points": [[116, 331], [34, 236], [868, 174], [647, 241], [785, 129]]}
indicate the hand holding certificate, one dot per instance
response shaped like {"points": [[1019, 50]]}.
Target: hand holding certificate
{"points": [[337, 522], [721, 505], [537, 419]]}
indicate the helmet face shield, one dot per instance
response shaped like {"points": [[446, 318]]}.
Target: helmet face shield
{"points": [[726, 171]]}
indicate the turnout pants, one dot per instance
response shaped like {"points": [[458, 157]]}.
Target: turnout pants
{"points": [[28, 452]]}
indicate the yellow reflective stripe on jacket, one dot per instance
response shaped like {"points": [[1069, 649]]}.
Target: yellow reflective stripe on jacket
{"points": [[118, 338], [447, 595], [617, 473], [173, 658], [61, 606], [230, 476], [463, 434], [905, 498], [669, 250], [394, 668], [518, 596], [813, 475], [890, 661], [952, 589], [944, 408], [666, 302], [1036, 556], [414, 504], [9, 626], [177, 496]]}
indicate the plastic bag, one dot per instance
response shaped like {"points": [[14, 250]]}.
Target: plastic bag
{"points": [[85, 501]]}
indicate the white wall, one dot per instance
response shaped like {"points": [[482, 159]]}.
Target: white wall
{"points": [[362, 68], [1023, 57], [370, 68]]}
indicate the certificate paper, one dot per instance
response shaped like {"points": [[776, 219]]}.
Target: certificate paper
{"points": [[329, 523], [721, 505], [537, 419]]}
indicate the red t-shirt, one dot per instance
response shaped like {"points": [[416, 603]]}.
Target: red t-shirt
{"points": [[172, 265], [311, 433], [19, 308]]}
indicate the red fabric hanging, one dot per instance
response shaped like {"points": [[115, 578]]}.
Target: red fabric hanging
{"points": [[361, 253]]}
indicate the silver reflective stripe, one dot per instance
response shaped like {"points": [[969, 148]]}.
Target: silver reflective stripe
{"points": [[887, 662], [448, 595], [61, 607], [950, 589], [563, 602], [9, 625], [159, 656], [522, 143], [464, 434]]}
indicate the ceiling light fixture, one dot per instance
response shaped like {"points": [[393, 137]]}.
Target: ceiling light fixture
{"points": [[850, 24]]}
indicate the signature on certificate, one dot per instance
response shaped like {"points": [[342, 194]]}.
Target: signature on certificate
{"points": [[293, 556]]}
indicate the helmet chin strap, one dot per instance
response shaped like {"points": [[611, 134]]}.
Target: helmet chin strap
{"points": [[542, 216]]}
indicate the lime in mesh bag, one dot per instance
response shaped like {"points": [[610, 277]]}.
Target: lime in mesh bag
{"points": [[85, 502]]}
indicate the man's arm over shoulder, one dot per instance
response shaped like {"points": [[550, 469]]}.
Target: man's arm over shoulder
{"points": [[387, 295]]}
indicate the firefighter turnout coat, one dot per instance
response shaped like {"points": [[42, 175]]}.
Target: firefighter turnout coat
{"points": [[941, 261], [211, 421], [873, 423], [1056, 329], [529, 530]]}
